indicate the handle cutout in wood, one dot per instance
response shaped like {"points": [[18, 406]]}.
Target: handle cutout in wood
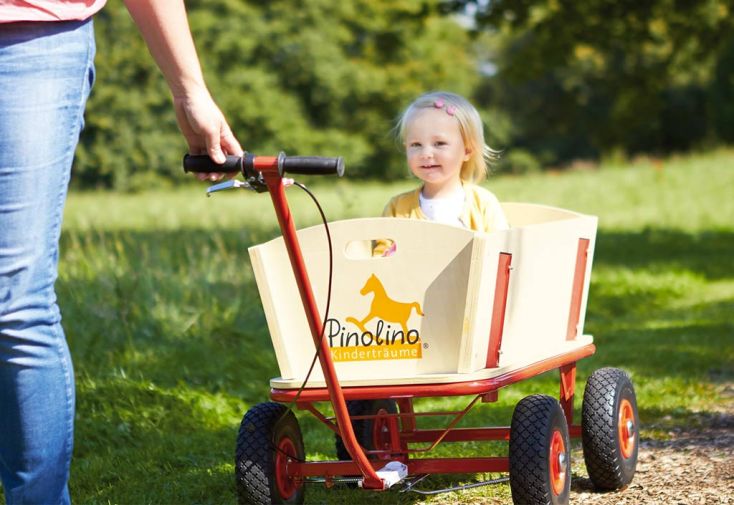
{"points": [[368, 249]]}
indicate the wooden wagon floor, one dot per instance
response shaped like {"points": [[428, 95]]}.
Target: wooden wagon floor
{"points": [[487, 373]]}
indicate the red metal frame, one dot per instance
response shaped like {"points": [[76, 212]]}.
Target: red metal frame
{"points": [[415, 467], [402, 427], [432, 390], [498, 310], [274, 182], [410, 434], [579, 275], [385, 434], [568, 384]]}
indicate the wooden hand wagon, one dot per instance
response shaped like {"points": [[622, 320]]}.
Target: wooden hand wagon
{"points": [[450, 313]]}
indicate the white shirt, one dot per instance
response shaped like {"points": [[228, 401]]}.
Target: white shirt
{"points": [[445, 210]]}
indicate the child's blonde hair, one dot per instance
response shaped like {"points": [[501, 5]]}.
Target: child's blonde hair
{"points": [[470, 125]]}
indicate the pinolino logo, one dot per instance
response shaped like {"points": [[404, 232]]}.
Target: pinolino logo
{"points": [[389, 337]]}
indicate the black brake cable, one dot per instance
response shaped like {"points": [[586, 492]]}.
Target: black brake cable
{"points": [[328, 291]]}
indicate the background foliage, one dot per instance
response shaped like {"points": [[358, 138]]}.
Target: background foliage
{"points": [[554, 80], [314, 77], [599, 77]]}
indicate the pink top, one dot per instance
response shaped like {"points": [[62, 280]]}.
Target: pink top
{"points": [[48, 10]]}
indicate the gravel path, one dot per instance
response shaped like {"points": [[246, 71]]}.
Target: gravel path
{"points": [[693, 467]]}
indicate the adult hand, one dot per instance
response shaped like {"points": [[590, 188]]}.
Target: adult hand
{"points": [[205, 129]]}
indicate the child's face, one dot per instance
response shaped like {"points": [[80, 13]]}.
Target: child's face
{"points": [[435, 150]]}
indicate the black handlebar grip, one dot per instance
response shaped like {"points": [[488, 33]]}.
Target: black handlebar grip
{"points": [[313, 165], [203, 163]]}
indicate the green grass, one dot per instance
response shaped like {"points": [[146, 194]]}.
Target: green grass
{"points": [[171, 347]]}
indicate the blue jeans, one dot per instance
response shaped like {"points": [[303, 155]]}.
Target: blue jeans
{"points": [[46, 73]]}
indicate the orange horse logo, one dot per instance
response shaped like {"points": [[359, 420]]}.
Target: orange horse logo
{"points": [[384, 307]]}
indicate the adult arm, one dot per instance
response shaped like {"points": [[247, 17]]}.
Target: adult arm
{"points": [[165, 28]]}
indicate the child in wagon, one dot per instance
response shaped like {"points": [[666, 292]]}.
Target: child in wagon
{"points": [[445, 148]]}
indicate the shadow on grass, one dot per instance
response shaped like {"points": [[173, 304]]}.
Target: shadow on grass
{"points": [[708, 253], [682, 419], [694, 352]]}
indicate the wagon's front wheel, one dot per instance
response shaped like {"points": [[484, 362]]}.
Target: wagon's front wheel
{"points": [[540, 463], [610, 429], [268, 441]]}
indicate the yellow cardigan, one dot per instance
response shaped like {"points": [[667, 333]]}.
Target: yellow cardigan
{"points": [[482, 212]]}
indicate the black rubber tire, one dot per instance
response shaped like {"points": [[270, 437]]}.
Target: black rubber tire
{"points": [[263, 428], [363, 427], [605, 392], [534, 421]]}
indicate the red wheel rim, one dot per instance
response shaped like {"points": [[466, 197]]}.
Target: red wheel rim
{"points": [[381, 433], [557, 460], [286, 485], [626, 428]]}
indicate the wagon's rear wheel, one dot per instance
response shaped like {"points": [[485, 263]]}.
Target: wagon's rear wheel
{"points": [[371, 433], [268, 440], [540, 463], [610, 429]]}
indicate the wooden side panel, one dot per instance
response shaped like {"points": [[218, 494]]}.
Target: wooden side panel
{"points": [[396, 316], [433, 298], [543, 282]]}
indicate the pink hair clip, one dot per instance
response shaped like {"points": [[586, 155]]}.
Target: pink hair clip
{"points": [[439, 104]]}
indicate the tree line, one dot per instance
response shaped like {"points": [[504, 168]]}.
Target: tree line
{"points": [[554, 80]]}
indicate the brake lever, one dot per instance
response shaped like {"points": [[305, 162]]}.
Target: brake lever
{"points": [[230, 184], [252, 183]]}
